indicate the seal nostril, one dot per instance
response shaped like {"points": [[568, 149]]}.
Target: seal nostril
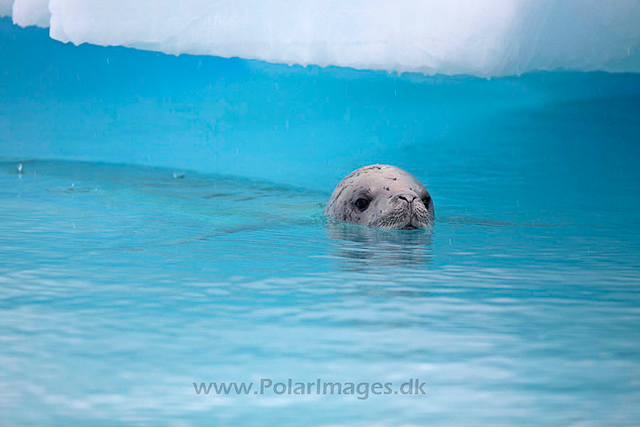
{"points": [[407, 198]]}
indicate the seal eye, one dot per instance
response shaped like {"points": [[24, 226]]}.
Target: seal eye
{"points": [[362, 203], [427, 201]]}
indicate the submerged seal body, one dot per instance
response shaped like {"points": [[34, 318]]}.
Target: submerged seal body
{"points": [[381, 196]]}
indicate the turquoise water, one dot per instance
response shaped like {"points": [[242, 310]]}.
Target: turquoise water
{"points": [[167, 229]]}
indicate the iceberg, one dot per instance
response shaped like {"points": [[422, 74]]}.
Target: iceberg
{"points": [[475, 37], [31, 13]]}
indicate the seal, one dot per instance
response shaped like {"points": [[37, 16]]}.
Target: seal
{"points": [[382, 196]]}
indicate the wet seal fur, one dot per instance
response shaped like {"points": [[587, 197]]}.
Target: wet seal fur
{"points": [[382, 196]]}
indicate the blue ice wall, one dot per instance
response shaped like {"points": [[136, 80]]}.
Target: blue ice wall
{"points": [[307, 125]]}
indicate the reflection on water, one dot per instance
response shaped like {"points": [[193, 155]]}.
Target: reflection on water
{"points": [[375, 251]]}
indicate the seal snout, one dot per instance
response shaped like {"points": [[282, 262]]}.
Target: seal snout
{"points": [[407, 207], [409, 201]]}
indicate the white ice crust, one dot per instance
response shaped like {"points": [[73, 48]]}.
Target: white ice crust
{"points": [[477, 37]]}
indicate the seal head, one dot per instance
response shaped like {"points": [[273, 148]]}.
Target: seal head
{"points": [[381, 196]]}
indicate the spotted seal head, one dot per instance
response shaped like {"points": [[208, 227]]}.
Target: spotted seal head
{"points": [[381, 196]]}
